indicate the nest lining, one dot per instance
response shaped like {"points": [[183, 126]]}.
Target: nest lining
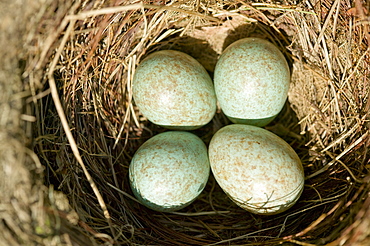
{"points": [[325, 119]]}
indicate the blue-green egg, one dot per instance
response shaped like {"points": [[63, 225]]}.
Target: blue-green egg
{"points": [[258, 170], [251, 81], [169, 171], [174, 90]]}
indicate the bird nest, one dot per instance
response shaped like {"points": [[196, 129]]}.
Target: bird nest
{"points": [[88, 127]]}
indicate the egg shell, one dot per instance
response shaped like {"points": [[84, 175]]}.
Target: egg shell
{"points": [[251, 81], [174, 90], [169, 170], [258, 170]]}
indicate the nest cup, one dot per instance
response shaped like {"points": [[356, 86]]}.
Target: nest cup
{"points": [[88, 128]]}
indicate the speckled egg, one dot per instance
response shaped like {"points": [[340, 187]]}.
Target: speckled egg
{"points": [[258, 170], [174, 90], [251, 81], [169, 171]]}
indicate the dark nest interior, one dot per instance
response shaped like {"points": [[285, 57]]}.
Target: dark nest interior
{"points": [[79, 67]]}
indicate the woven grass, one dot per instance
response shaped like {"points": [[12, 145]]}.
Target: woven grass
{"points": [[87, 126]]}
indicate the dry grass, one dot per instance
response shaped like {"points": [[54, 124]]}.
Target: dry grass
{"points": [[88, 127]]}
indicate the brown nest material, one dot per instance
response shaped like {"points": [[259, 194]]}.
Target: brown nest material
{"points": [[79, 68]]}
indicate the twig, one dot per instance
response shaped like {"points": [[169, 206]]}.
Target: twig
{"points": [[112, 10], [63, 119]]}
